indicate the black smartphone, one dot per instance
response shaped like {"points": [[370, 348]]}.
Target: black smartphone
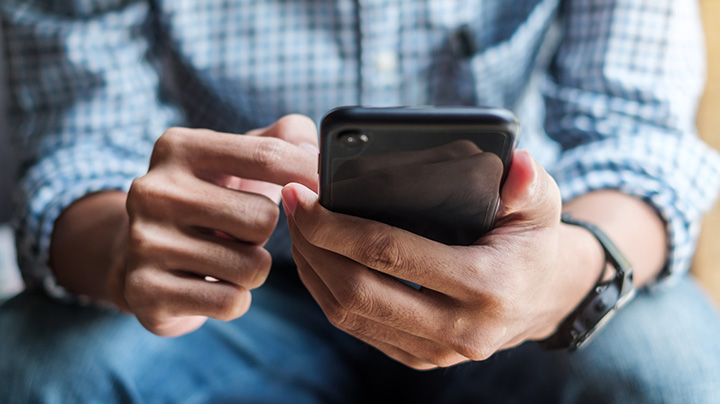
{"points": [[434, 171]]}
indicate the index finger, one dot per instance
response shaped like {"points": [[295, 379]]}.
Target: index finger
{"points": [[379, 246], [294, 128], [266, 159]]}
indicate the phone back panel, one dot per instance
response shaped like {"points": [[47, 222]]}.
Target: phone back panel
{"points": [[434, 171]]}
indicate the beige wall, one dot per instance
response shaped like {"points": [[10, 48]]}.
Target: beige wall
{"points": [[707, 261]]}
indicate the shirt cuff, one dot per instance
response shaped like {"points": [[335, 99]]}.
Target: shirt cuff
{"points": [[48, 189], [678, 176]]}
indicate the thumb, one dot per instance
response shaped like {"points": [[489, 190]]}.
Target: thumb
{"points": [[296, 195], [530, 192]]}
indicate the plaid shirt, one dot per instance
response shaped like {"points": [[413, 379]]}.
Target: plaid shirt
{"points": [[606, 91]]}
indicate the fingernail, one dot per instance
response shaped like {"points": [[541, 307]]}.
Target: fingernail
{"points": [[289, 200], [310, 148]]}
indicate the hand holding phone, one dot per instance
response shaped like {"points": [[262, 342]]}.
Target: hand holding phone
{"points": [[435, 172], [469, 301]]}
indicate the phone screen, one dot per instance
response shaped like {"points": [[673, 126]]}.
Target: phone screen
{"points": [[437, 180]]}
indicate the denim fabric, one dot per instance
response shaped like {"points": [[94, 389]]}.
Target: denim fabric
{"points": [[662, 348]]}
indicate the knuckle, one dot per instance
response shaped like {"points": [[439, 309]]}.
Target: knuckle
{"points": [[159, 194], [263, 261], [468, 339], [480, 354], [138, 194], [138, 239], [269, 152], [358, 300], [169, 143], [174, 136], [474, 351], [443, 358], [382, 251], [139, 290], [154, 319], [475, 347], [146, 194], [232, 305], [265, 217], [337, 315]]}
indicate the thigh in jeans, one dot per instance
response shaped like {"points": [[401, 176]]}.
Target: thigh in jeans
{"points": [[664, 347], [282, 350]]}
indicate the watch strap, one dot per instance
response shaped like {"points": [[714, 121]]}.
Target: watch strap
{"points": [[602, 301]]}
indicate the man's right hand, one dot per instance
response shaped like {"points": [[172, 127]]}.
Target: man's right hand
{"points": [[198, 221]]}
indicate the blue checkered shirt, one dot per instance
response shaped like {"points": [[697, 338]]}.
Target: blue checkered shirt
{"points": [[606, 91]]}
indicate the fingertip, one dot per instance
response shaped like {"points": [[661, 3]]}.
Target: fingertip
{"points": [[289, 199], [294, 195], [310, 148], [521, 179], [295, 128]]}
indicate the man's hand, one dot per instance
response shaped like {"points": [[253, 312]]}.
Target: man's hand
{"points": [[198, 221], [516, 283]]}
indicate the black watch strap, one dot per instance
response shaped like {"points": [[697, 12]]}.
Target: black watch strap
{"points": [[602, 301]]}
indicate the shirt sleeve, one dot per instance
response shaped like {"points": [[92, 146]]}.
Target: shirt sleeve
{"points": [[85, 107], [622, 95]]}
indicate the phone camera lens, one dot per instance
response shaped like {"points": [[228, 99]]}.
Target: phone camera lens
{"points": [[353, 139]]}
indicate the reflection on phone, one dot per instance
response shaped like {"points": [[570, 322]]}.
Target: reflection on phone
{"points": [[448, 193]]}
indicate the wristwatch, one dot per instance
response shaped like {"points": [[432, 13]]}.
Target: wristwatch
{"points": [[601, 303]]}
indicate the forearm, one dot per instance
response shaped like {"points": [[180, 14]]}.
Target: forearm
{"points": [[633, 225], [86, 243]]}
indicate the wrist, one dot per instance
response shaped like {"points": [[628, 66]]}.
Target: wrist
{"points": [[601, 303], [86, 252], [582, 264]]}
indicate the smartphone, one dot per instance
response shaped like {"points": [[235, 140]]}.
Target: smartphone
{"points": [[434, 171]]}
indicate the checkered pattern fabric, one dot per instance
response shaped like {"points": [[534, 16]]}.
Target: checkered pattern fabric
{"points": [[606, 90]]}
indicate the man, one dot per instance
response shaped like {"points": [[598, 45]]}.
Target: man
{"points": [[606, 93]]}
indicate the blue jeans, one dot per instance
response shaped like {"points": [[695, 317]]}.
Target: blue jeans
{"points": [[662, 348]]}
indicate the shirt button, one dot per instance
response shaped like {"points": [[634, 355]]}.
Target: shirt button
{"points": [[386, 61]]}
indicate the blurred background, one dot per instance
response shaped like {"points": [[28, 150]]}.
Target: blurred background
{"points": [[7, 162], [707, 262], [9, 279]]}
